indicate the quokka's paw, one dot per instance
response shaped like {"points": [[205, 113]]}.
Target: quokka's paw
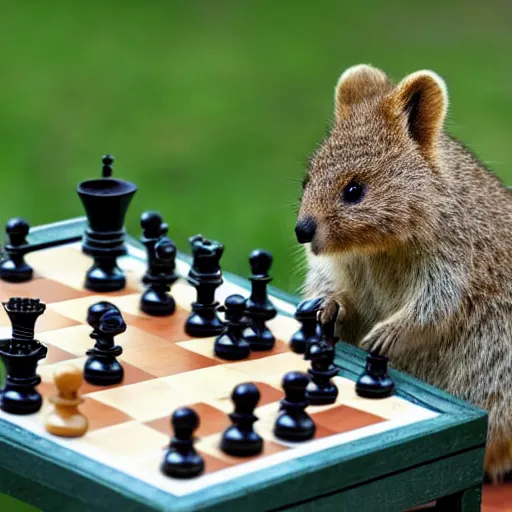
{"points": [[382, 339], [331, 311]]}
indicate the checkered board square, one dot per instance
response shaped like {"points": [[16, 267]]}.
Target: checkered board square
{"points": [[165, 369]]}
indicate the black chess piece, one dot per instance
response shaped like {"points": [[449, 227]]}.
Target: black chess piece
{"points": [[21, 354], [106, 202], [311, 331], [230, 344], [294, 423], [375, 382], [259, 309], [14, 268], [240, 439], [321, 390], [160, 275], [181, 459], [102, 368], [206, 276]]}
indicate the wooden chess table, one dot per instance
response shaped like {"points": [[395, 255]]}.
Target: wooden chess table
{"points": [[392, 454]]}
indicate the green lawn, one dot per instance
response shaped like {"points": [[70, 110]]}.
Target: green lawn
{"points": [[211, 107]]}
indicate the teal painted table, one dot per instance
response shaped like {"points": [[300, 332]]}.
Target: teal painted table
{"points": [[422, 445]]}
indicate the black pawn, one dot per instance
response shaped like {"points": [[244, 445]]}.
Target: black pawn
{"points": [[102, 368], [160, 275], [294, 423], [310, 331], [259, 309], [240, 439], [181, 459], [375, 381], [14, 269], [231, 345], [321, 391], [206, 276]]}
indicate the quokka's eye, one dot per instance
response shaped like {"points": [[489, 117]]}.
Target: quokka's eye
{"points": [[353, 192]]}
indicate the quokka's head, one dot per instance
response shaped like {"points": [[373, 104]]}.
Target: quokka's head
{"points": [[373, 183]]}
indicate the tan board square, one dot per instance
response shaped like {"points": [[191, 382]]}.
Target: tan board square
{"points": [[268, 415], [170, 328], [128, 439], [388, 408], [211, 420], [211, 446], [60, 259], [165, 359], [77, 308], [56, 355], [216, 382], [101, 415], [283, 327], [145, 401], [68, 265], [204, 346], [212, 464], [132, 375], [74, 339], [268, 394], [184, 294], [342, 419], [47, 290], [48, 321], [272, 369]]}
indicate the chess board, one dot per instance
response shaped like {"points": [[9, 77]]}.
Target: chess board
{"points": [[165, 369]]}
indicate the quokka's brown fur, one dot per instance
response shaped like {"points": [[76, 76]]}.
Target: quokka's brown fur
{"points": [[422, 265]]}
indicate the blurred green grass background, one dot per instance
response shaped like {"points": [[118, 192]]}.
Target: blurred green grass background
{"points": [[211, 107]]}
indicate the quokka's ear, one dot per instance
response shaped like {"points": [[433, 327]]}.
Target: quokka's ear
{"points": [[356, 84], [419, 103]]}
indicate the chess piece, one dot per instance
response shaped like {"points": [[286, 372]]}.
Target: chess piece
{"points": [[21, 354], [310, 331], [106, 202], [259, 309], [102, 368], [321, 390], [230, 344], [206, 276], [240, 439], [14, 268], [294, 423], [65, 420], [375, 382], [160, 275], [181, 459]]}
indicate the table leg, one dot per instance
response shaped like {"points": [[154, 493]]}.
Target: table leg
{"points": [[468, 500]]}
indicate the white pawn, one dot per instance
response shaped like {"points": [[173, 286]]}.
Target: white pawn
{"points": [[65, 420]]}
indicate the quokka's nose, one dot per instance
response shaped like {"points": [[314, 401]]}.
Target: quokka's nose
{"points": [[305, 230]]}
